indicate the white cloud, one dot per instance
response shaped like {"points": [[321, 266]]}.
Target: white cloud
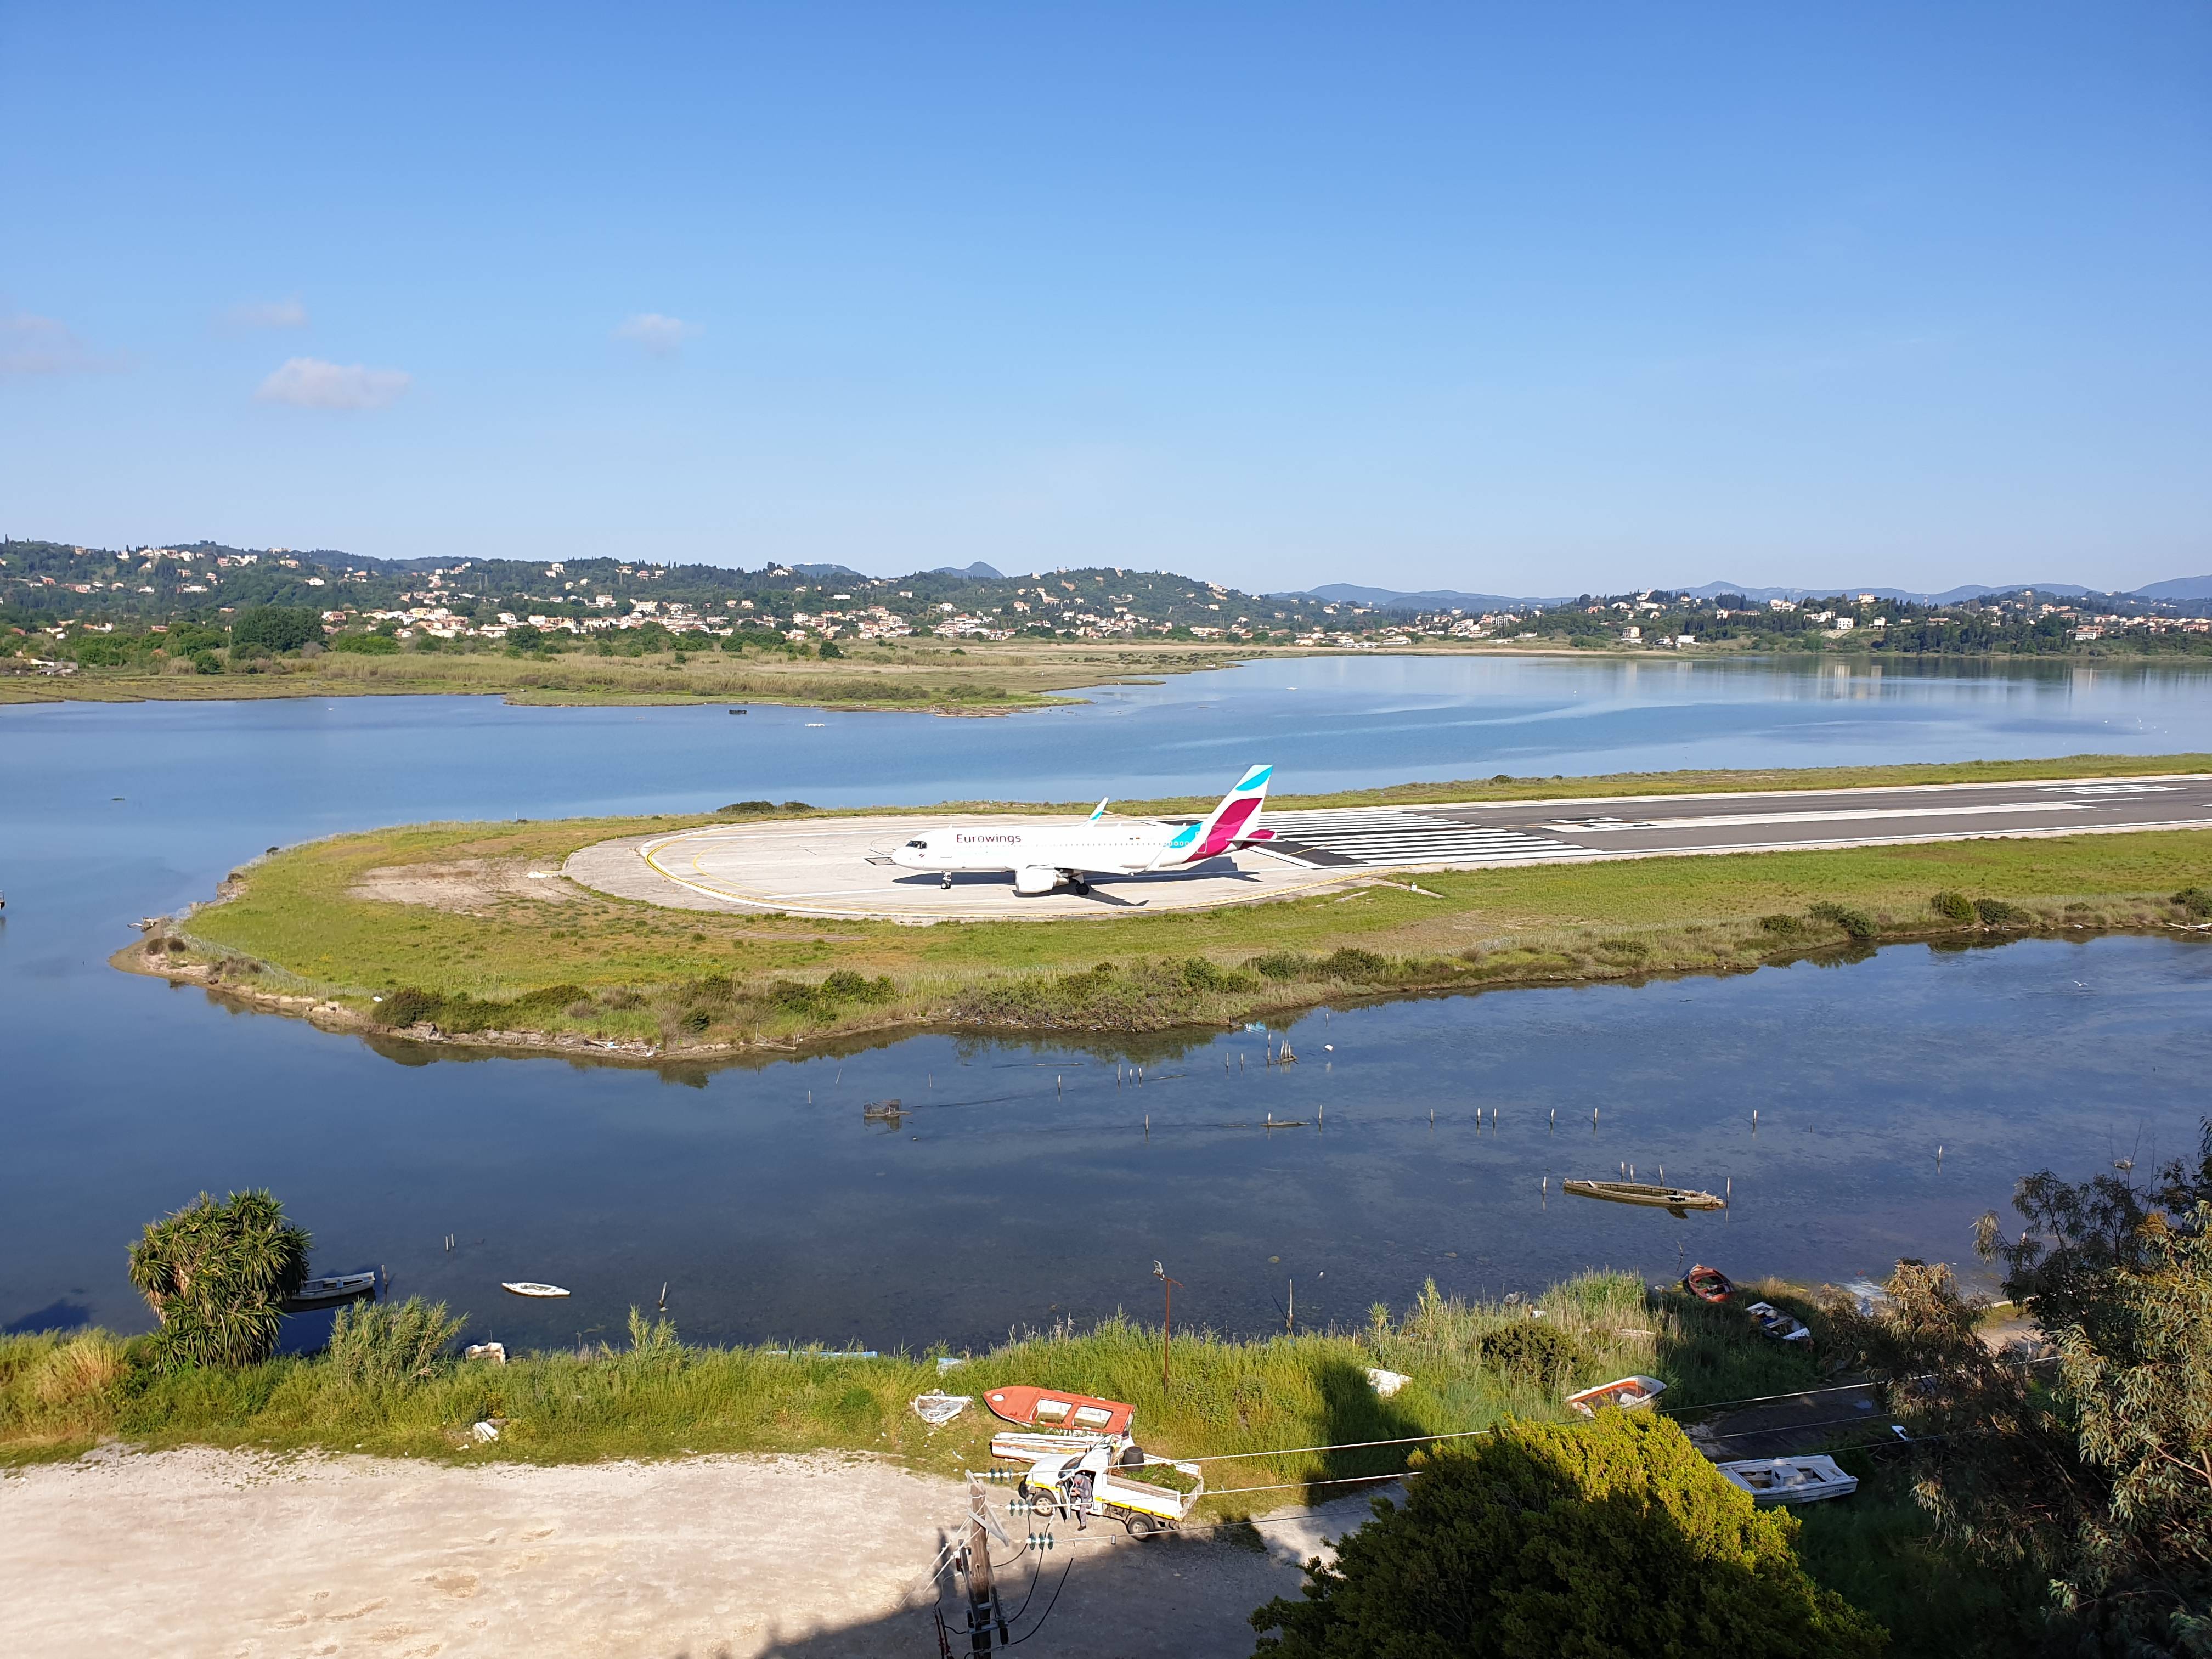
{"points": [[266, 313], [40, 345], [310, 382], [653, 332]]}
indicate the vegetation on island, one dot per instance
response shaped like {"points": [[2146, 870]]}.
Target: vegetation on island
{"points": [[432, 926]]}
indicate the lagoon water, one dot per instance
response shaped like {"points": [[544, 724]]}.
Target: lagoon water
{"points": [[1021, 1185]]}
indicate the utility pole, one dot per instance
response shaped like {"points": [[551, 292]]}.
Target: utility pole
{"points": [[1166, 1319], [985, 1619]]}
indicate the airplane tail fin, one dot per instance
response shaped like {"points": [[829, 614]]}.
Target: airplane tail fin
{"points": [[1230, 822]]}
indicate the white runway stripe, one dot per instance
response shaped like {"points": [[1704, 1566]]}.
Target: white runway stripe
{"points": [[1379, 834]]}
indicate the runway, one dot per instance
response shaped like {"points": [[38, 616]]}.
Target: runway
{"points": [[837, 866]]}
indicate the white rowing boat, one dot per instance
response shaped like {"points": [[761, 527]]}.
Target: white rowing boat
{"points": [[1789, 1480], [1775, 1323], [531, 1287]]}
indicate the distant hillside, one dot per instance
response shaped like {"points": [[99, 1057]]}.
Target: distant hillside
{"points": [[1445, 599], [1435, 599], [2183, 587]]}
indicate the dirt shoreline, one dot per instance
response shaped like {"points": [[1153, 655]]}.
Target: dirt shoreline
{"points": [[201, 1552]]}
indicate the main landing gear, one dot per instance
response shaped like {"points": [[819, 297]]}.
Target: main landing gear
{"points": [[944, 882], [1077, 885]]}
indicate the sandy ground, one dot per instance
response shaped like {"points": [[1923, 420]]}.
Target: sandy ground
{"points": [[211, 1553], [469, 886]]}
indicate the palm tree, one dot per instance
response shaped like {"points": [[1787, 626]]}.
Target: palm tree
{"points": [[216, 1275]]}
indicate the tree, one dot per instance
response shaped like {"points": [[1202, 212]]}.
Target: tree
{"points": [[2098, 1471], [277, 627], [1613, 1538], [216, 1275]]}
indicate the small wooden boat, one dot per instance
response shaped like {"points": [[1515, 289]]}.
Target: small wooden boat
{"points": [[328, 1292], [1677, 1198], [1789, 1480], [1775, 1323], [531, 1287], [1708, 1284], [1629, 1394], [1052, 1408]]}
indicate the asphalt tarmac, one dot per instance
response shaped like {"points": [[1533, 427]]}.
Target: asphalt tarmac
{"points": [[838, 867]]}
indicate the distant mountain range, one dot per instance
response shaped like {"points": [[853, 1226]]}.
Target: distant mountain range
{"points": [[1445, 599]]}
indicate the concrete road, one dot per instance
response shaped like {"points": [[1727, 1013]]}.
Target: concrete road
{"points": [[823, 868]]}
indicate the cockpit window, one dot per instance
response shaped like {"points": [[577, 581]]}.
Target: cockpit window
{"points": [[918, 844]]}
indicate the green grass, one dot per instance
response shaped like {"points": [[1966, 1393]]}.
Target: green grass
{"points": [[627, 971], [60, 1393]]}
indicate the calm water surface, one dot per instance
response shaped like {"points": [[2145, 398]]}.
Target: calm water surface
{"points": [[1022, 1185]]}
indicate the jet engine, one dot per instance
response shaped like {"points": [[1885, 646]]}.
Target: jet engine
{"points": [[1034, 879]]}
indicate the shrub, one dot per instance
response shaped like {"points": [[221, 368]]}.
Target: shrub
{"points": [[747, 806], [1995, 913], [374, 1346], [367, 644], [1953, 907], [792, 997], [1530, 1351], [409, 1005], [1780, 925], [216, 1276], [206, 662], [1350, 962], [2196, 900], [1614, 1537], [846, 986], [1199, 974], [696, 1020], [1631, 950], [1282, 965], [1856, 923]]}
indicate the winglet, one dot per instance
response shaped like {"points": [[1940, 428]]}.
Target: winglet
{"points": [[1099, 810]]}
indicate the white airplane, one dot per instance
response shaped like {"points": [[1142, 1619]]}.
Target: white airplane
{"points": [[1042, 856]]}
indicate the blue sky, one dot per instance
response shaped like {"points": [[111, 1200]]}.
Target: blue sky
{"points": [[1528, 299]]}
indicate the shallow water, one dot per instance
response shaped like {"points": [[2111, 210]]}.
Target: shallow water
{"points": [[997, 1199]]}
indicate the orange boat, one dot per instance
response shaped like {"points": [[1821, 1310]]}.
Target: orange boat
{"points": [[1054, 1408]]}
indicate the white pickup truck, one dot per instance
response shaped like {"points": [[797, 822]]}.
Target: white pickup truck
{"points": [[1082, 1475]]}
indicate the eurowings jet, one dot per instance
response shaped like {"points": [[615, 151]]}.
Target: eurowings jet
{"points": [[1041, 857]]}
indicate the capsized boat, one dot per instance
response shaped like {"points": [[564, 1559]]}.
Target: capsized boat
{"points": [[1777, 1324], [1677, 1198], [1789, 1480], [1629, 1394], [531, 1287], [330, 1290], [1055, 1408], [1708, 1284]]}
